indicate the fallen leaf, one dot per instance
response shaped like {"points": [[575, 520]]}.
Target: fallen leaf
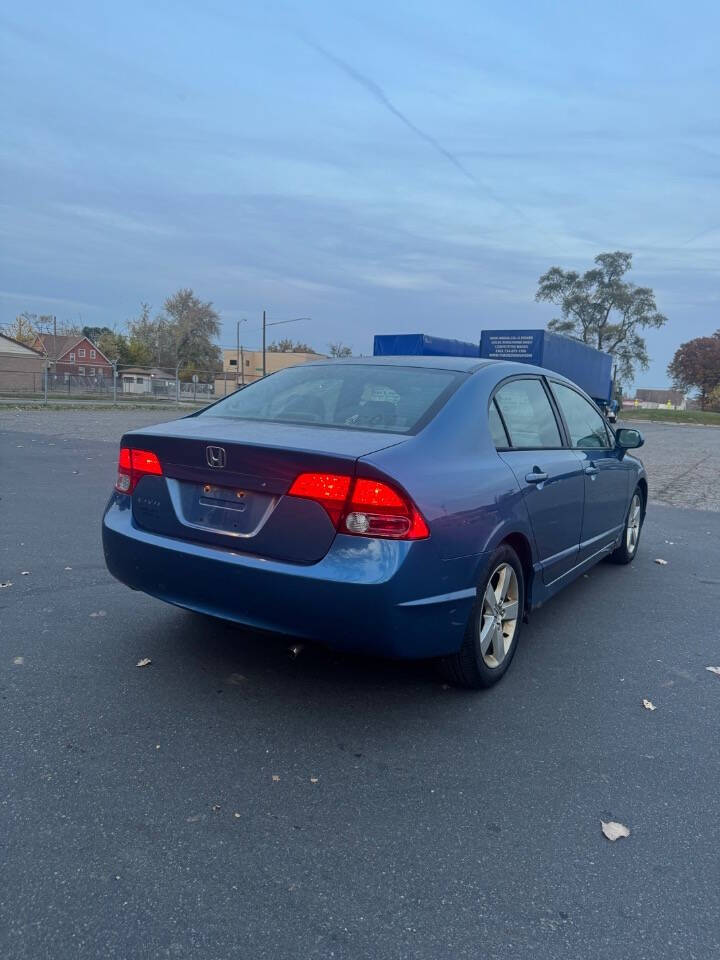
{"points": [[297, 649], [215, 807], [649, 705], [99, 613], [145, 662], [24, 573], [275, 778], [68, 568], [237, 816], [715, 670], [193, 819], [314, 779], [6, 583], [19, 661], [671, 542], [613, 831], [663, 563]]}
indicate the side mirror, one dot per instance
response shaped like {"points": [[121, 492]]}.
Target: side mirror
{"points": [[629, 439]]}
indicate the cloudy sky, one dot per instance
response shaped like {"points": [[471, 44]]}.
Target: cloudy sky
{"points": [[379, 167]]}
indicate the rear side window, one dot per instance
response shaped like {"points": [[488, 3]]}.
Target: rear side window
{"points": [[354, 396], [497, 430], [585, 425], [528, 415]]}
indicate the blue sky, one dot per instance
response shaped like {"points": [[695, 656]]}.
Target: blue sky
{"points": [[379, 167]]}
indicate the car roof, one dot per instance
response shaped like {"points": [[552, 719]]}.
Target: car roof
{"points": [[504, 368], [460, 364]]}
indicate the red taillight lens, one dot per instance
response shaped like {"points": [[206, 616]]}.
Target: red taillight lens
{"points": [[329, 489], [134, 464], [376, 509], [364, 507]]}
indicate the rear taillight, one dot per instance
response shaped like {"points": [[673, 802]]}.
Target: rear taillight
{"points": [[329, 489], [134, 464], [363, 507]]}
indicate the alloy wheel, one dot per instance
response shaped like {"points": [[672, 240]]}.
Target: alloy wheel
{"points": [[500, 610], [632, 534]]}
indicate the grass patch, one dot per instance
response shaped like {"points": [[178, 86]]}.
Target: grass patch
{"points": [[703, 417]]}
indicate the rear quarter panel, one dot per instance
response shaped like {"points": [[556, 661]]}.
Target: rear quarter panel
{"points": [[467, 494]]}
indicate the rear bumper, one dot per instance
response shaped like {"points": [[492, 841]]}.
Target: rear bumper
{"points": [[373, 596]]}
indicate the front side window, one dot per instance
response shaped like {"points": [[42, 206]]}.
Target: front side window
{"points": [[528, 416], [585, 425], [354, 396]]}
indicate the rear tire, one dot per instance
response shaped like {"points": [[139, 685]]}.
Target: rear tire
{"points": [[627, 550], [493, 628]]}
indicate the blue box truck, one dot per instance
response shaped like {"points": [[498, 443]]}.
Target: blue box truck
{"points": [[589, 368]]}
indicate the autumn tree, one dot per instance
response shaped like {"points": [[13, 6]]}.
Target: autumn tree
{"points": [[602, 309], [25, 327], [696, 364]]}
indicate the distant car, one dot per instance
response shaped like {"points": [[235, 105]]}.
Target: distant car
{"points": [[401, 506]]}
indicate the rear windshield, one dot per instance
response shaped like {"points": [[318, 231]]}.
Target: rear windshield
{"points": [[353, 396]]}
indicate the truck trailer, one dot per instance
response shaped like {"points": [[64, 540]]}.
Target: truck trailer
{"points": [[421, 345], [589, 368]]}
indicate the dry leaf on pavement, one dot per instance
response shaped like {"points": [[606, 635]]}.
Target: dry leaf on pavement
{"points": [[6, 583], [663, 563], [649, 705], [19, 661], [715, 670], [24, 573], [145, 662], [613, 830], [275, 778], [314, 779], [297, 649]]}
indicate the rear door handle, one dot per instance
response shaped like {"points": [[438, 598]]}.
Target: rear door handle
{"points": [[536, 477]]}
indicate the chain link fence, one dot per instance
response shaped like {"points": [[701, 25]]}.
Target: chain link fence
{"points": [[30, 378]]}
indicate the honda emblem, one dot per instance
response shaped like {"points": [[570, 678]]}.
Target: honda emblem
{"points": [[215, 457]]}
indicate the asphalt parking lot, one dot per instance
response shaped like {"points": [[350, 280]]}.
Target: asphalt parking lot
{"points": [[231, 800]]}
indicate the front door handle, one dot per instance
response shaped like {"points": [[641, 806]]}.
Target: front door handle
{"points": [[536, 477], [591, 469]]}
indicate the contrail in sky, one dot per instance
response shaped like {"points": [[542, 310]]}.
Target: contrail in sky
{"points": [[379, 94]]}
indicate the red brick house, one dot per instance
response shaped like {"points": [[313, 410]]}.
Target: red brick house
{"points": [[73, 355]]}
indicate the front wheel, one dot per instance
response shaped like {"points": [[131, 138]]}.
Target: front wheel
{"points": [[492, 632], [625, 553]]}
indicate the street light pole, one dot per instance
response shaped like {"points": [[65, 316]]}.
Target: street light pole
{"points": [[274, 323], [238, 353]]}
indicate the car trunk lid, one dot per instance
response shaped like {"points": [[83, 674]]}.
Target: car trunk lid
{"points": [[225, 482]]}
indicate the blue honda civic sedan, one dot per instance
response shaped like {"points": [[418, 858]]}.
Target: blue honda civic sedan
{"points": [[401, 506]]}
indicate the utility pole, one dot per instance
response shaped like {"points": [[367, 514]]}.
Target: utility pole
{"points": [[264, 368], [237, 347], [242, 368]]}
